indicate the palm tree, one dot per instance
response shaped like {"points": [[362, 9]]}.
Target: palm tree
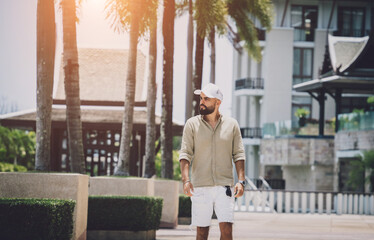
{"points": [[125, 15], [209, 14], [167, 90], [71, 71], [211, 17], [188, 111], [150, 169], [242, 13], [46, 46]]}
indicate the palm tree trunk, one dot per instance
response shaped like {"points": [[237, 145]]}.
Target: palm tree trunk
{"points": [[46, 46], [198, 75], [189, 80], [123, 167], [212, 41], [167, 90], [150, 169], [71, 70]]}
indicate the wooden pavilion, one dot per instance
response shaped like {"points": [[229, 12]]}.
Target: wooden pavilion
{"points": [[102, 90], [348, 68]]}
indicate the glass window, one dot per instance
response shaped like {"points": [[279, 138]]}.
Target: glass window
{"points": [[304, 21], [351, 22], [301, 102], [348, 104], [302, 65]]}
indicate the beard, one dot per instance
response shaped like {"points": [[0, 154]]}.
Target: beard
{"points": [[204, 110]]}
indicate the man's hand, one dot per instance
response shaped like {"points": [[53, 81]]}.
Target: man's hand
{"points": [[238, 190], [188, 188]]}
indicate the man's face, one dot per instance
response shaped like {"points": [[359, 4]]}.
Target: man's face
{"points": [[207, 105]]}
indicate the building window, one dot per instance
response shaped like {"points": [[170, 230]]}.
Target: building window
{"points": [[351, 22], [302, 65], [348, 104], [301, 102], [304, 21]]}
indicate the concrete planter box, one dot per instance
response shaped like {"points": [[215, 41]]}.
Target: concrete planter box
{"points": [[169, 191], [51, 185], [118, 186], [125, 235], [184, 221]]}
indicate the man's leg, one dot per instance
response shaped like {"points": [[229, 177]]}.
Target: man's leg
{"points": [[202, 233], [226, 230]]}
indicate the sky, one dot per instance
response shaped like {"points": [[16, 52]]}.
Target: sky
{"points": [[18, 53]]}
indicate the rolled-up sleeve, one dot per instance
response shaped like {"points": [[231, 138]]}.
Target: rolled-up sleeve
{"points": [[237, 148], [187, 146]]}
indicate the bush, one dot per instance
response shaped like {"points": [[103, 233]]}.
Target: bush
{"points": [[130, 213], [22, 218], [17, 146], [8, 167], [184, 206]]}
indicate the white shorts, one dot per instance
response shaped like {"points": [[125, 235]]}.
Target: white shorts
{"points": [[205, 199]]}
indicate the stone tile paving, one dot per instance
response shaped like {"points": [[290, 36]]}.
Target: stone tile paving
{"points": [[266, 226]]}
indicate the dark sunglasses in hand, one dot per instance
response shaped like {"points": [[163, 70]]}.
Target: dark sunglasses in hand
{"points": [[228, 191]]}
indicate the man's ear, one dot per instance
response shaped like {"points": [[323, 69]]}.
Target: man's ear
{"points": [[218, 102]]}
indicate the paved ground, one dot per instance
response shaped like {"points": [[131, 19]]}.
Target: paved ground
{"points": [[267, 226]]}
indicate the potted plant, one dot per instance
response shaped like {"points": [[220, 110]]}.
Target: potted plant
{"points": [[301, 113]]}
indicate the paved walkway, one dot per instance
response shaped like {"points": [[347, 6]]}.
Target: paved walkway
{"points": [[267, 226]]}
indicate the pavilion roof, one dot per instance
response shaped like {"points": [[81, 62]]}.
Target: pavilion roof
{"points": [[102, 75]]}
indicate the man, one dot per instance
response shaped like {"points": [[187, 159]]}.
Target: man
{"points": [[210, 143]]}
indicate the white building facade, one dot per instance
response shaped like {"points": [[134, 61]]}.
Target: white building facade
{"points": [[293, 52]]}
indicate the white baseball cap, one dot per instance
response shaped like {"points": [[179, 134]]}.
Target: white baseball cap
{"points": [[211, 91]]}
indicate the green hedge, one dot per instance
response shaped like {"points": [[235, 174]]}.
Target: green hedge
{"points": [[130, 213], [184, 206], [22, 218], [8, 167]]}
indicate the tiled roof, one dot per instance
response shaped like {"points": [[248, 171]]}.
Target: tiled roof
{"points": [[90, 115], [102, 75]]}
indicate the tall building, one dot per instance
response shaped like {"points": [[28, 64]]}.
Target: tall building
{"points": [[293, 53]]}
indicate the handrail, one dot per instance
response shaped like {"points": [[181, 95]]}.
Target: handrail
{"points": [[282, 201], [249, 83]]}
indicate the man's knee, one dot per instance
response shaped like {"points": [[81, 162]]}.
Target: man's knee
{"points": [[226, 230], [202, 233]]}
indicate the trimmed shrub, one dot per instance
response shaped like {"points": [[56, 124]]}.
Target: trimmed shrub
{"points": [[23, 218], [184, 206], [127, 213], [8, 167]]}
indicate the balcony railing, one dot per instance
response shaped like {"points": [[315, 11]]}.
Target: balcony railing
{"points": [[251, 132], [356, 121], [249, 83], [305, 202], [303, 34], [293, 129]]}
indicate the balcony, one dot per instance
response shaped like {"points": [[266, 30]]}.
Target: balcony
{"points": [[249, 83], [355, 133], [251, 136], [303, 34], [292, 129], [356, 121], [255, 132]]}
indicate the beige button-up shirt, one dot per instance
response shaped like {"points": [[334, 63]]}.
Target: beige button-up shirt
{"points": [[211, 152]]}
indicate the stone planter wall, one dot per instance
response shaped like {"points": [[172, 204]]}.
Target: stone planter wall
{"points": [[169, 191], [118, 186], [51, 185]]}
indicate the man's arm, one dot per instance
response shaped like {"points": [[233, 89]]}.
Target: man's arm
{"points": [[187, 185], [239, 188]]}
